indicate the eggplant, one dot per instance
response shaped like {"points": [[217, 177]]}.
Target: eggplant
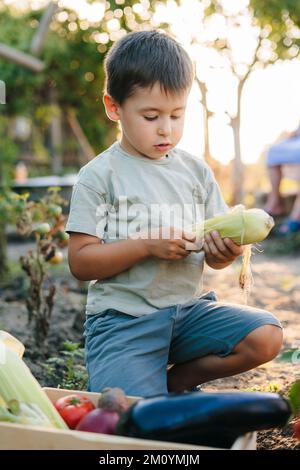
{"points": [[213, 419]]}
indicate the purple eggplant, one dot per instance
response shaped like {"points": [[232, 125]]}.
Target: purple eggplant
{"points": [[212, 419]]}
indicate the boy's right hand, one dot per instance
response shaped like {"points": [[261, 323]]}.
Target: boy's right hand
{"points": [[169, 243]]}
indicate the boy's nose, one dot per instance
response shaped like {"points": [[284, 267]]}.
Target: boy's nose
{"points": [[165, 129]]}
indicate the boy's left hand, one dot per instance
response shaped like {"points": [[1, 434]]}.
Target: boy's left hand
{"points": [[220, 251]]}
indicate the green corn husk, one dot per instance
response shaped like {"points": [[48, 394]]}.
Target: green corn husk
{"points": [[17, 383], [23, 413], [243, 226]]}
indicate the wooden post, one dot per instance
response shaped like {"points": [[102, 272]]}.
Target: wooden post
{"points": [[56, 135], [3, 251], [2, 92], [237, 176], [87, 149], [21, 58], [39, 38]]}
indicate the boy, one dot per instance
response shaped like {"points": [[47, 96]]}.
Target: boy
{"points": [[145, 309]]}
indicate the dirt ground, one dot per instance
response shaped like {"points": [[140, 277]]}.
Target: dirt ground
{"points": [[276, 288]]}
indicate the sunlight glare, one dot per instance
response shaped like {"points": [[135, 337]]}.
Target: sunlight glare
{"points": [[91, 12]]}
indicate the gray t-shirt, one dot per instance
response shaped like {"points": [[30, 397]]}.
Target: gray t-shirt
{"points": [[118, 195]]}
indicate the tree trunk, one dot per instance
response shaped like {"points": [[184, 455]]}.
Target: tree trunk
{"points": [[238, 167], [206, 113], [87, 149]]}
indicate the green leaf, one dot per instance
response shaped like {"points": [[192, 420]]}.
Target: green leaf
{"points": [[71, 346], [286, 355], [294, 397]]}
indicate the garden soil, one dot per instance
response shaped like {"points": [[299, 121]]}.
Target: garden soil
{"points": [[276, 288]]}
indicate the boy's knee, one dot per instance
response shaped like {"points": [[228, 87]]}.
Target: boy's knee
{"points": [[262, 345]]}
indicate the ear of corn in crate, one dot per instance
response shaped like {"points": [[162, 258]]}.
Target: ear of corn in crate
{"points": [[22, 400]]}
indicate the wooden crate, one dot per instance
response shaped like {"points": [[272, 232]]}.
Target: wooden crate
{"points": [[14, 436]]}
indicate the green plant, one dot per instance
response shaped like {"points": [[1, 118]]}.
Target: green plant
{"points": [[12, 206], [68, 370], [271, 387], [294, 397], [45, 220], [18, 384]]}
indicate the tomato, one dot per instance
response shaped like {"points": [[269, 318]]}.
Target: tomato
{"points": [[43, 229], [62, 238], [72, 408], [57, 258], [54, 210], [62, 235], [296, 428]]}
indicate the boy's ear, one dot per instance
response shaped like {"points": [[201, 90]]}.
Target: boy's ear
{"points": [[111, 108]]}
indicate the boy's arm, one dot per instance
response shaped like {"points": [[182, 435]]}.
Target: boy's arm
{"points": [[90, 259], [220, 253]]}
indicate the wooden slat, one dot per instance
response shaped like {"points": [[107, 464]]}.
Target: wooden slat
{"points": [[15, 436], [21, 58], [40, 36]]}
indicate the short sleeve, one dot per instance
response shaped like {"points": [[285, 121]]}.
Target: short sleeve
{"points": [[88, 211], [215, 203]]}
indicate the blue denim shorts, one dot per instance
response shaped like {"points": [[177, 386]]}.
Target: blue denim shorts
{"points": [[133, 352]]}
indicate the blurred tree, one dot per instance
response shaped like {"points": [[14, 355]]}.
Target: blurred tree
{"points": [[280, 20], [70, 86], [8, 153], [69, 89], [273, 29]]}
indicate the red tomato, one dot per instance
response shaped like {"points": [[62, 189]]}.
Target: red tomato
{"points": [[297, 429], [72, 408]]}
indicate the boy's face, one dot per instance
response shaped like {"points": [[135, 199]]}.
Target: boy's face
{"points": [[152, 121]]}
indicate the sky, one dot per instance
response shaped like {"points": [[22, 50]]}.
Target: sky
{"points": [[271, 97], [270, 106]]}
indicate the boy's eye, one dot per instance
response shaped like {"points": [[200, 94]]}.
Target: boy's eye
{"points": [[150, 118], [155, 117]]}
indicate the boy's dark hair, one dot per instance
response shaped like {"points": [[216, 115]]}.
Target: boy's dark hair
{"points": [[143, 58]]}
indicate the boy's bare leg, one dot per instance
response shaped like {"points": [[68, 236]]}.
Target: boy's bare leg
{"points": [[274, 203], [260, 346], [295, 213]]}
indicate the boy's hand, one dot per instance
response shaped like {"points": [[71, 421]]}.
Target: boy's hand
{"points": [[219, 252], [168, 243]]}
